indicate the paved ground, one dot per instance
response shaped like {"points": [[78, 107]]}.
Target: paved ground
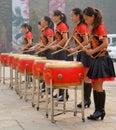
{"points": [[16, 114]]}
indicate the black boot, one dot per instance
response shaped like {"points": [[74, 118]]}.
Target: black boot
{"points": [[43, 86], [99, 106], [61, 93], [87, 94]]}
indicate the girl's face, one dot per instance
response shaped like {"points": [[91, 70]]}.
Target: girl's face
{"points": [[55, 19], [43, 22], [39, 27], [75, 18], [24, 30], [89, 19]]}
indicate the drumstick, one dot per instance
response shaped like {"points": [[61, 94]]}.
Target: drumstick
{"points": [[63, 48], [79, 42], [74, 53], [45, 48], [28, 50], [85, 48], [57, 51]]}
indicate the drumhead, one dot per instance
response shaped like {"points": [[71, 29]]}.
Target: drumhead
{"points": [[66, 64]]}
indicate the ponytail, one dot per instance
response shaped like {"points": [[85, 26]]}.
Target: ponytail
{"points": [[78, 11], [50, 23], [98, 19], [89, 11], [62, 16], [30, 28]]}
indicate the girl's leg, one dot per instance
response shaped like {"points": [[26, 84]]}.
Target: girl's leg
{"points": [[99, 100]]}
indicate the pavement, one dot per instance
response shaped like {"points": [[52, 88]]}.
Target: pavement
{"points": [[16, 114]]}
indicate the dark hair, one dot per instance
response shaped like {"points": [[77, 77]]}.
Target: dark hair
{"points": [[50, 23], [25, 25], [30, 28], [39, 22], [62, 16], [90, 11], [78, 11]]}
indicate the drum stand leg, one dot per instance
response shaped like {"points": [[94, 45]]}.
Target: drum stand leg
{"points": [[38, 92], [16, 80], [3, 74], [0, 71], [11, 78], [64, 104], [33, 91], [26, 83], [52, 103], [20, 79], [47, 102], [75, 102], [82, 94]]}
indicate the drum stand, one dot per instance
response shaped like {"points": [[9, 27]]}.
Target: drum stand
{"points": [[2, 67], [26, 84], [64, 103]]}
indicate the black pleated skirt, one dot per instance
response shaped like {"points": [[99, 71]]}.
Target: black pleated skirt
{"points": [[101, 69], [85, 59]]}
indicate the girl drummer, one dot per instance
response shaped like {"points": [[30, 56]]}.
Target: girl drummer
{"points": [[46, 28], [28, 37], [47, 35], [80, 31], [61, 35], [102, 66]]}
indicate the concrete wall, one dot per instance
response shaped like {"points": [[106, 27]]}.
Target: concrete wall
{"points": [[107, 7]]}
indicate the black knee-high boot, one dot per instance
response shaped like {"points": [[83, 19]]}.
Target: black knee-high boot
{"points": [[99, 99], [61, 93], [87, 94]]}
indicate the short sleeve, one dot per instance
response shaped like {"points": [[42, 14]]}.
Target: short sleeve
{"points": [[62, 28], [49, 32], [29, 35], [101, 31], [82, 29]]}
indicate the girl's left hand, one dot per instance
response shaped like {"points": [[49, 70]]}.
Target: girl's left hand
{"points": [[22, 49], [53, 47], [90, 52]]}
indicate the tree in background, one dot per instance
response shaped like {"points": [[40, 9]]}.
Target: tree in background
{"points": [[5, 25]]}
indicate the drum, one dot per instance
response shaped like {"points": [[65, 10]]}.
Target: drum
{"points": [[64, 74], [4, 59], [27, 63], [14, 58], [11, 58], [38, 67]]}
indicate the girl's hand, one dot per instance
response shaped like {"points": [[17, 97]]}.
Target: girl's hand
{"points": [[53, 47], [71, 50], [21, 48], [90, 52]]}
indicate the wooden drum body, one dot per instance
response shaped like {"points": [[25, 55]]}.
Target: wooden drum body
{"points": [[38, 67], [64, 74], [4, 59], [27, 63]]}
